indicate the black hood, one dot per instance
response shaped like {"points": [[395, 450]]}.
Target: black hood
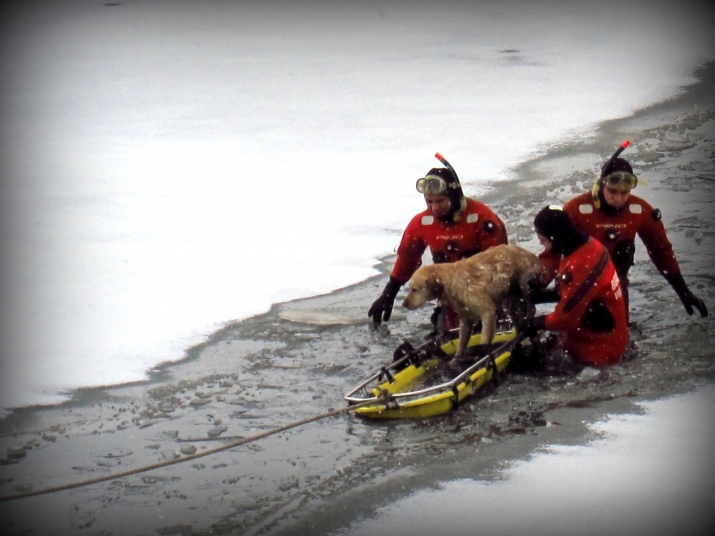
{"points": [[612, 166], [554, 223], [616, 164], [454, 192]]}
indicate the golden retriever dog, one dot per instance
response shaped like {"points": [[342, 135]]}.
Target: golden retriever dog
{"points": [[478, 287]]}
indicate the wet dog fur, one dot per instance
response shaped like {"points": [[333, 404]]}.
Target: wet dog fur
{"points": [[478, 287]]}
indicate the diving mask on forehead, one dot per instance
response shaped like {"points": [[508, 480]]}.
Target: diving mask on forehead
{"points": [[433, 185], [620, 180]]}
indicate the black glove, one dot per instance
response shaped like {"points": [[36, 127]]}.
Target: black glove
{"points": [[531, 326], [689, 299], [540, 295], [381, 309]]}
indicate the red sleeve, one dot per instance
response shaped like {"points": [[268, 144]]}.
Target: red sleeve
{"points": [[495, 236], [559, 320], [549, 266], [409, 252], [659, 248]]}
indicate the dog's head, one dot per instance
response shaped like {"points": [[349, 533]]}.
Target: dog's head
{"points": [[425, 285]]}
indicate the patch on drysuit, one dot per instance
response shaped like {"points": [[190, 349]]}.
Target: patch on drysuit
{"points": [[636, 209]]}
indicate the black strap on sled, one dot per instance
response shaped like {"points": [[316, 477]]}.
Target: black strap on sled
{"points": [[492, 365], [385, 374], [455, 396]]}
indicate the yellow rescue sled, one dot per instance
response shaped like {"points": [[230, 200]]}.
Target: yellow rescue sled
{"points": [[414, 384]]}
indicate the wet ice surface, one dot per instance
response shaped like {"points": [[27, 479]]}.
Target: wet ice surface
{"points": [[272, 370]]}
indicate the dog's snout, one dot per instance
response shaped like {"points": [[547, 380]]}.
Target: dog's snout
{"points": [[408, 303]]}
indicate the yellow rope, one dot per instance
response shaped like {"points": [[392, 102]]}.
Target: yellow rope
{"points": [[381, 399]]}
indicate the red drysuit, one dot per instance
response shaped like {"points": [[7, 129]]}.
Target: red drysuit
{"points": [[591, 314], [477, 230], [617, 231]]}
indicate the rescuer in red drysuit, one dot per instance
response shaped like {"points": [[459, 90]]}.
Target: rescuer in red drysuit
{"points": [[590, 316], [454, 227], [612, 215]]}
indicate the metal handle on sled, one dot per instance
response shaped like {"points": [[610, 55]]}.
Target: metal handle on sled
{"points": [[437, 343]]}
